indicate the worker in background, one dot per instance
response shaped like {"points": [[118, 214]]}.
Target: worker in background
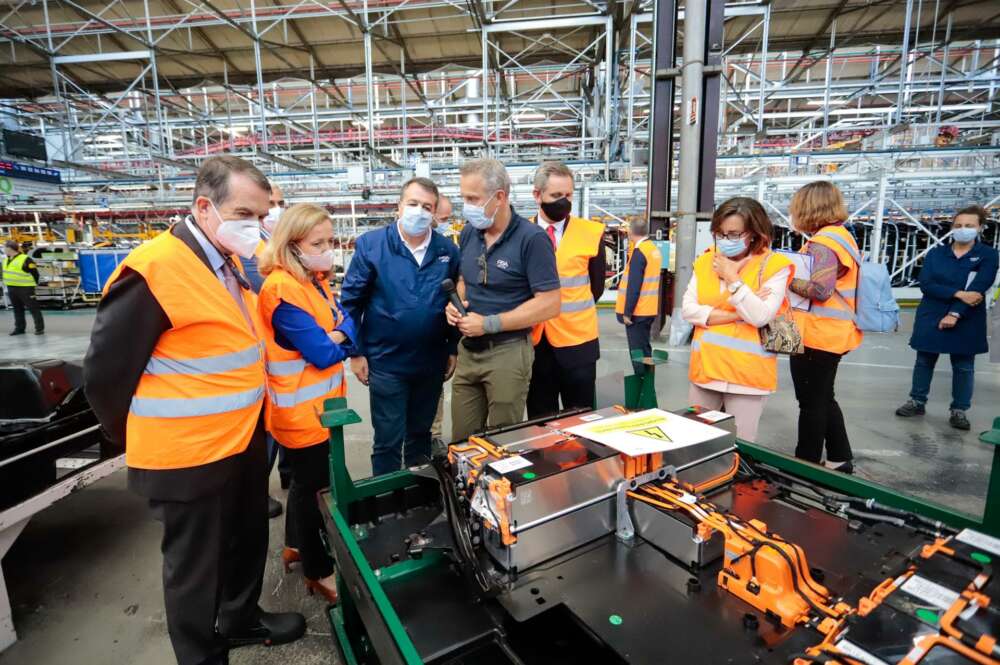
{"points": [[442, 219], [20, 277], [308, 338], [827, 328], [251, 269], [267, 225], [738, 286], [566, 347], [392, 289], [175, 373], [639, 291], [955, 280], [509, 283]]}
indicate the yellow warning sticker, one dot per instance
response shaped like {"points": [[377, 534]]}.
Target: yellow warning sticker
{"points": [[652, 433], [649, 431]]}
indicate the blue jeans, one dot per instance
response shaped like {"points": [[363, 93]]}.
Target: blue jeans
{"points": [[963, 376], [403, 410]]}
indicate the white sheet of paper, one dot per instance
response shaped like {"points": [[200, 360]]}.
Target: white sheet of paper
{"points": [[645, 432], [803, 270]]}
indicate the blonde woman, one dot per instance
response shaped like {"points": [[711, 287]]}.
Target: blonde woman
{"points": [[817, 211], [308, 337]]}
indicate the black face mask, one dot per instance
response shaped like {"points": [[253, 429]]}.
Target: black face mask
{"points": [[557, 210]]}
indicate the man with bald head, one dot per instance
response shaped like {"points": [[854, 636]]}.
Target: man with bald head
{"points": [[443, 213]]}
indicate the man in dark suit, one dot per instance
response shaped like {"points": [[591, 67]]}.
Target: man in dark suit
{"points": [[175, 374]]}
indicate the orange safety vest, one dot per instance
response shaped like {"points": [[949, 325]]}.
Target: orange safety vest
{"points": [[732, 352], [259, 252], [649, 295], [200, 396], [576, 324], [829, 324], [297, 389]]}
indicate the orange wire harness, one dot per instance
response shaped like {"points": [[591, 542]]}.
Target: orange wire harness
{"points": [[762, 570]]}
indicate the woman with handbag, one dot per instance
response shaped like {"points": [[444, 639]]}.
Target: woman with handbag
{"points": [[737, 289], [308, 338], [828, 330]]}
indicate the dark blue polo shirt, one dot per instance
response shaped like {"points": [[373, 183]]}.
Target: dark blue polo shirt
{"points": [[518, 265]]}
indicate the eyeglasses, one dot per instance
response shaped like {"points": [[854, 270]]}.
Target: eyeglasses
{"points": [[481, 262], [735, 235]]}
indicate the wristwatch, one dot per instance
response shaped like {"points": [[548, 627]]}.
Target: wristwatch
{"points": [[735, 286], [955, 314]]}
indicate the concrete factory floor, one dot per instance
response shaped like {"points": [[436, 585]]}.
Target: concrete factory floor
{"points": [[84, 577]]}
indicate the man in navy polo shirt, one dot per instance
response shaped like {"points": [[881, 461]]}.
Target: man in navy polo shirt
{"points": [[392, 291], [509, 283]]}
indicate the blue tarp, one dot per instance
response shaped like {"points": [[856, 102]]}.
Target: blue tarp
{"points": [[96, 266]]}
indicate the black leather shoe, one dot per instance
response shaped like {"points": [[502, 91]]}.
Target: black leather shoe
{"points": [[271, 628], [17, 332], [273, 507], [39, 332]]}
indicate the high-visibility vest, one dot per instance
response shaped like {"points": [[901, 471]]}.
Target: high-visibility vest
{"points": [[829, 324], [732, 352], [297, 389], [259, 251], [200, 396], [649, 295], [14, 273], [576, 324]]}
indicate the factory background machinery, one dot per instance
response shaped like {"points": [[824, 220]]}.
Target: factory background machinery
{"points": [[108, 109]]}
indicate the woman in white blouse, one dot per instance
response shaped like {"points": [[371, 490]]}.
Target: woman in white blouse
{"points": [[738, 286]]}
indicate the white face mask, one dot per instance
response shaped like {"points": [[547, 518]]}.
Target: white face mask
{"points": [[240, 236], [271, 221], [322, 262]]}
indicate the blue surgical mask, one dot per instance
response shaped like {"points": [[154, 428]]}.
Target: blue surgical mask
{"points": [[415, 221], [964, 234], [441, 228], [476, 215], [731, 248]]}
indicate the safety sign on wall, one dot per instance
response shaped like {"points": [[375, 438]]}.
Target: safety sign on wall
{"points": [[649, 431]]}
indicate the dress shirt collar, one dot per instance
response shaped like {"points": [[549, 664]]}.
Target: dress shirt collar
{"points": [[215, 259]]}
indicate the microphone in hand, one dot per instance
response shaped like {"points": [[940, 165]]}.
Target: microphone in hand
{"points": [[448, 288]]}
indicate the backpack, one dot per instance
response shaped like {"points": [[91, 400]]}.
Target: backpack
{"points": [[875, 308]]}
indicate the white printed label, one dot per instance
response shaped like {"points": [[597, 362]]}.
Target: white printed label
{"points": [[930, 592], [591, 417], [714, 416], [73, 462], [857, 653], [508, 464], [980, 540]]}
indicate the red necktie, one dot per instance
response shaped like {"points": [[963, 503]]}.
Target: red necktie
{"points": [[551, 230]]}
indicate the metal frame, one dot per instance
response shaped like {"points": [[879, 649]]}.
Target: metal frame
{"points": [[14, 519]]}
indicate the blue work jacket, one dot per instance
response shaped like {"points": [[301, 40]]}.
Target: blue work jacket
{"points": [[941, 276], [398, 306]]}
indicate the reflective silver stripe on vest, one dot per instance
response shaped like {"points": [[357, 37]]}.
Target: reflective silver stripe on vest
{"points": [[845, 245], [576, 306], [227, 362], [650, 280], [734, 343], [831, 313], [285, 367], [649, 292], [288, 400], [181, 407], [848, 293], [579, 280]]}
